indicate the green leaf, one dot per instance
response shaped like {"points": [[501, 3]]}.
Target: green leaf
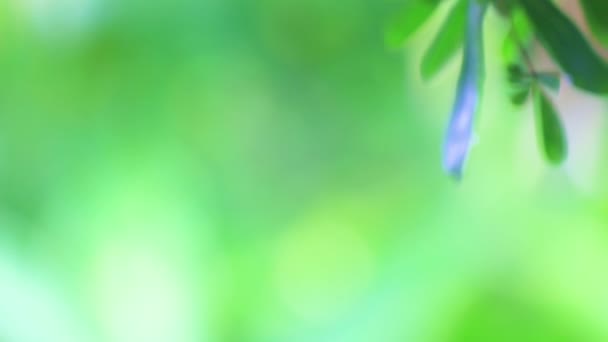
{"points": [[596, 12], [520, 31], [549, 127], [503, 7], [550, 80], [446, 43], [520, 96], [510, 50], [521, 24], [408, 21], [567, 45], [517, 74]]}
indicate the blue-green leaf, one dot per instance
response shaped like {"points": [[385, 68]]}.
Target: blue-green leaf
{"points": [[550, 80], [447, 42]]}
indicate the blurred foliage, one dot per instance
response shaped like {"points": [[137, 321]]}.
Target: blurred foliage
{"points": [[562, 39], [240, 170]]}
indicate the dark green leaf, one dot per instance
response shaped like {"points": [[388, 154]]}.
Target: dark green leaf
{"points": [[408, 20], [567, 45], [503, 7], [446, 43], [520, 96], [596, 12], [516, 73], [550, 80], [549, 127]]}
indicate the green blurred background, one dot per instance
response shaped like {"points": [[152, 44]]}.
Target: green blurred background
{"points": [[266, 170]]}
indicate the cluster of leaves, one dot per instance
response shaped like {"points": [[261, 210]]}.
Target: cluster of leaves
{"points": [[529, 21]]}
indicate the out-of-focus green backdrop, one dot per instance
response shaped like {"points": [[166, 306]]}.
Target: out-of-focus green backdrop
{"points": [[266, 170]]}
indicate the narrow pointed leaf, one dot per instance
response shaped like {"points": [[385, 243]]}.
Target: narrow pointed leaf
{"points": [[567, 45], [595, 13], [447, 42], [459, 136], [551, 135], [408, 21]]}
